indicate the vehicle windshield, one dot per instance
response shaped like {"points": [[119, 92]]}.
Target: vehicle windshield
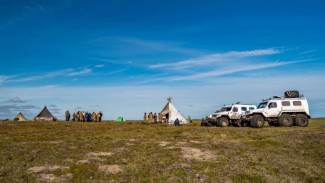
{"points": [[262, 105], [225, 109]]}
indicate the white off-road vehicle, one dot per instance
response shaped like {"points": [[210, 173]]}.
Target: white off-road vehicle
{"points": [[280, 111], [230, 114]]}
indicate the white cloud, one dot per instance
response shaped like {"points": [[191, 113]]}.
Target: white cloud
{"points": [[99, 66], [81, 72], [230, 71], [47, 75], [218, 57], [64, 72], [4, 78], [15, 100]]}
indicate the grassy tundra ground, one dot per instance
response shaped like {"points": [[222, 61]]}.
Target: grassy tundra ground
{"points": [[132, 152]]}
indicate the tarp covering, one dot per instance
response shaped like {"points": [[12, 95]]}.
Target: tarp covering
{"points": [[120, 119], [172, 113], [20, 117], [45, 115]]}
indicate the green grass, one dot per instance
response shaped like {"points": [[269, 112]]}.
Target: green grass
{"points": [[160, 153]]}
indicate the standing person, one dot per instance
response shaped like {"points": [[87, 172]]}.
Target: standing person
{"points": [[67, 115], [155, 118], [176, 122], [159, 118], [150, 117], [89, 117], [100, 116], [145, 117], [78, 119], [74, 117], [84, 116], [81, 116], [94, 117]]}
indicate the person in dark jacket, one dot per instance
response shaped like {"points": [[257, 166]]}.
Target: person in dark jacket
{"points": [[176, 122], [67, 115], [100, 116]]}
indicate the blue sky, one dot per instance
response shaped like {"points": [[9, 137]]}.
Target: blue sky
{"points": [[126, 57]]}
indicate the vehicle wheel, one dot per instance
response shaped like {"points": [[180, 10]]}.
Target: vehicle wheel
{"points": [[208, 123], [223, 122], [257, 121], [301, 120], [285, 120], [203, 123]]}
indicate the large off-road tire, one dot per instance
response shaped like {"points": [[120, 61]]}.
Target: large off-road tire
{"points": [[301, 120], [257, 121], [223, 122], [203, 123], [285, 120]]}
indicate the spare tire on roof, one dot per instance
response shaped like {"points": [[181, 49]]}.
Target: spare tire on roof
{"points": [[291, 94]]}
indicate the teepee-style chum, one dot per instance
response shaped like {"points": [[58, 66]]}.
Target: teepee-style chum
{"points": [[170, 113], [120, 119], [45, 115], [20, 117]]}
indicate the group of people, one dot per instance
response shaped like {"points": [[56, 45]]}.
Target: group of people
{"points": [[155, 118], [152, 118], [84, 116]]}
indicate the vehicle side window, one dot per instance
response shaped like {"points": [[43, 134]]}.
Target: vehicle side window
{"points": [[244, 108], [251, 108], [272, 105], [285, 103], [235, 109], [297, 103]]}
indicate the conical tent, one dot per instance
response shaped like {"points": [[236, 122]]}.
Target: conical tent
{"points": [[20, 117], [120, 119], [45, 115], [171, 113]]}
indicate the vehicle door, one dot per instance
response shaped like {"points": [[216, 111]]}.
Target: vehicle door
{"points": [[244, 110], [272, 109], [235, 113]]}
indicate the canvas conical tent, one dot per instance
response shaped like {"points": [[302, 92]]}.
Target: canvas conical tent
{"points": [[119, 119], [45, 115], [20, 117], [171, 113]]}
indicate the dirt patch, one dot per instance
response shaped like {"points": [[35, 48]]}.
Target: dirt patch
{"points": [[37, 169], [53, 178], [196, 142], [197, 154], [97, 154], [110, 169], [82, 162], [181, 143], [163, 143]]}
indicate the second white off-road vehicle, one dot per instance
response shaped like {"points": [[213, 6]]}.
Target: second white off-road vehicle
{"points": [[280, 111], [230, 114]]}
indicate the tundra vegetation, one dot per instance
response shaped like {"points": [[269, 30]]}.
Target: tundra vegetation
{"points": [[132, 152]]}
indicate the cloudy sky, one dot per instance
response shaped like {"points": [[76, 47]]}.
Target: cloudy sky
{"points": [[126, 57]]}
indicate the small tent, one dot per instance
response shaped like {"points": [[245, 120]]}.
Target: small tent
{"points": [[45, 115], [170, 113], [119, 119], [20, 117]]}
